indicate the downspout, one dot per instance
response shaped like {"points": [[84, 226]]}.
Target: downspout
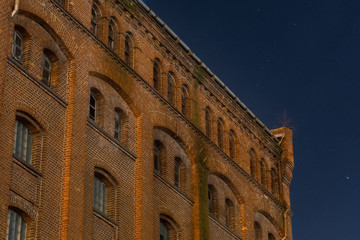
{"points": [[285, 224], [16, 8]]}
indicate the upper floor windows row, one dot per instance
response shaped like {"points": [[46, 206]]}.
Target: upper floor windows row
{"points": [[50, 65]]}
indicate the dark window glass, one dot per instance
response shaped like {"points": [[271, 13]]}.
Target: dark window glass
{"points": [[232, 144], [16, 226], [171, 86], [93, 26], [184, 100], [128, 49], [263, 172], [118, 124], [220, 134], [92, 107], [207, 122], [47, 67], [157, 156], [164, 232], [22, 142], [111, 34], [100, 195], [177, 171], [252, 163], [156, 75], [18, 46]]}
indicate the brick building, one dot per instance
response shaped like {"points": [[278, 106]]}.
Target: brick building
{"points": [[111, 128]]}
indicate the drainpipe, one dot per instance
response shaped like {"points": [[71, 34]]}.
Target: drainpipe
{"points": [[285, 225], [16, 8]]}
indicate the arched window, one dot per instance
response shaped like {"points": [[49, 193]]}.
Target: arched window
{"points": [[18, 46], [47, 68], [93, 106], [159, 153], [229, 214], [252, 163], [212, 200], [271, 236], [100, 195], [258, 231], [207, 122], [118, 123], [232, 149], [94, 19], [184, 100], [220, 133], [168, 228], [274, 181], [171, 88], [111, 35], [129, 48], [96, 102], [177, 171], [156, 74], [16, 229], [23, 141], [263, 172]]}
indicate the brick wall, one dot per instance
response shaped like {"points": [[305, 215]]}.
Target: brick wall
{"points": [[55, 193]]}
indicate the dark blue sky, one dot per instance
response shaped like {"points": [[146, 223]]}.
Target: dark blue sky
{"points": [[302, 56]]}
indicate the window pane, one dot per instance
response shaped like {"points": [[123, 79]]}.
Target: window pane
{"points": [[16, 227]]}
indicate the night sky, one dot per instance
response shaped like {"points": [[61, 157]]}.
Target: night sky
{"points": [[299, 57]]}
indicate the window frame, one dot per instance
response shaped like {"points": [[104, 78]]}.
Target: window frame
{"points": [[220, 133], [111, 34], [208, 121], [14, 233], [16, 47], [157, 74], [100, 203], [47, 70], [93, 107]]}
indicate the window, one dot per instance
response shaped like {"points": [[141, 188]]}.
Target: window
{"points": [[171, 88], [177, 171], [16, 226], [93, 106], [232, 144], [273, 179], [100, 195], [207, 122], [271, 237], [111, 37], [263, 172], [23, 141], [220, 132], [47, 68], [184, 100], [258, 231], [156, 74], [128, 49], [252, 163], [212, 200], [229, 214], [94, 19], [18, 46], [118, 124], [158, 156], [164, 231]]}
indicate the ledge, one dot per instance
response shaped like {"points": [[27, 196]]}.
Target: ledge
{"points": [[173, 188], [105, 218], [26, 166], [38, 83], [115, 142], [226, 229]]}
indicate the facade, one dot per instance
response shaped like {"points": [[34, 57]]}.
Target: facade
{"points": [[111, 128]]}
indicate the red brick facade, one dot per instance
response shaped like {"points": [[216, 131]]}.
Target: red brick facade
{"points": [[229, 157]]}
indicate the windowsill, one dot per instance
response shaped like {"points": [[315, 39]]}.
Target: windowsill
{"points": [[27, 166], [224, 227], [116, 142], [105, 218], [36, 81], [173, 187]]}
